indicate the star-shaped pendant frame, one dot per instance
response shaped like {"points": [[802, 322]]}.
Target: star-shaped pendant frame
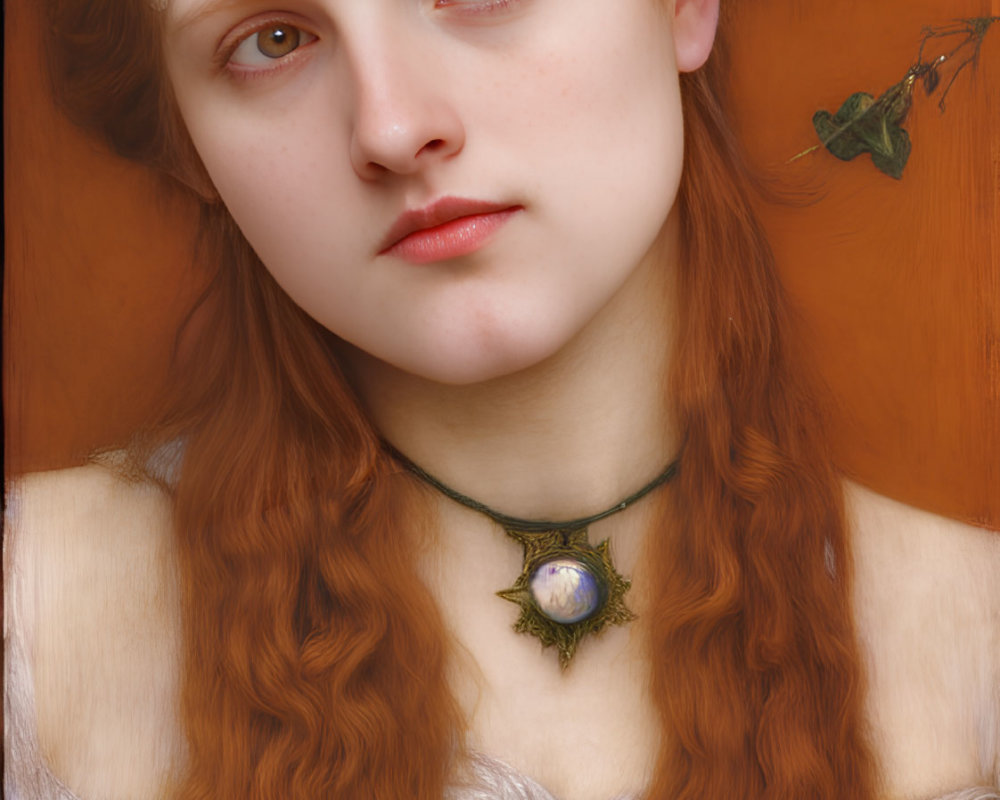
{"points": [[543, 546]]}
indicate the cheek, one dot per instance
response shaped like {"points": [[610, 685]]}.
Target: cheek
{"points": [[613, 137], [607, 117], [282, 191]]}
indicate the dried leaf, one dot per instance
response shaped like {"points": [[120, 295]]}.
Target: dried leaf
{"points": [[866, 125]]}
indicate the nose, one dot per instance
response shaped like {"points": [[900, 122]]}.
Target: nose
{"points": [[404, 117]]}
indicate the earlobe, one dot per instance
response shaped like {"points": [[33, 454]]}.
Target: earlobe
{"points": [[694, 31]]}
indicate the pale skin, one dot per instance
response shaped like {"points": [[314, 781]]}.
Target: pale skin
{"points": [[502, 371]]}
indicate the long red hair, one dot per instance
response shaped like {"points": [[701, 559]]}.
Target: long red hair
{"points": [[314, 660]]}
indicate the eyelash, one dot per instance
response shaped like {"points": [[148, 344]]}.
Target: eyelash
{"points": [[477, 7]]}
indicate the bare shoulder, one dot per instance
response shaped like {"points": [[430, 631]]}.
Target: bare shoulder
{"points": [[98, 598], [927, 603], [892, 523], [946, 570]]}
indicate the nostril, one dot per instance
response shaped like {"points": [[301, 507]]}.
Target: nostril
{"points": [[432, 146]]}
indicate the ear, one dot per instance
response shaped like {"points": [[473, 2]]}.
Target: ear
{"points": [[694, 31]]}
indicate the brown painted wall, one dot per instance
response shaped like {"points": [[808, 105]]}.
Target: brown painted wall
{"points": [[97, 274], [898, 282]]}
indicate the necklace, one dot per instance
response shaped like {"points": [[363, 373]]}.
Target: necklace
{"points": [[568, 588]]}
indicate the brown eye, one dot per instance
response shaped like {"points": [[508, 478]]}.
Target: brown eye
{"points": [[277, 40], [274, 42]]}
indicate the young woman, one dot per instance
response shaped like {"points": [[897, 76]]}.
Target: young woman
{"points": [[506, 244]]}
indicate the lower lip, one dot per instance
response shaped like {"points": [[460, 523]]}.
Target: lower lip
{"points": [[459, 237]]}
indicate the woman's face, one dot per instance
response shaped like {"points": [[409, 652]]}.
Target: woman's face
{"points": [[456, 187]]}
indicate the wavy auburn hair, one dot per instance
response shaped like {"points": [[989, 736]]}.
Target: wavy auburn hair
{"points": [[314, 661]]}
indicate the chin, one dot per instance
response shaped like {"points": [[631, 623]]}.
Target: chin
{"points": [[468, 363]]}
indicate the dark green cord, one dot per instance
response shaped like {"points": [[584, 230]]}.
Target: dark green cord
{"points": [[526, 525]]}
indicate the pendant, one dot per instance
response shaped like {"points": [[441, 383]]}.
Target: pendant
{"points": [[567, 588]]}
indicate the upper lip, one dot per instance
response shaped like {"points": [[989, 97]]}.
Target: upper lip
{"points": [[437, 213]]}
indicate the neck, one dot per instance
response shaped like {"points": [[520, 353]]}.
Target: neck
{"points": [[565, 438]]}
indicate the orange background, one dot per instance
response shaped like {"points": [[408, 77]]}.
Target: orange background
{"points": [[897, 282]]}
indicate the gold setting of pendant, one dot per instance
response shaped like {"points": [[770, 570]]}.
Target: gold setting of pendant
{"points": [[609, 585]]}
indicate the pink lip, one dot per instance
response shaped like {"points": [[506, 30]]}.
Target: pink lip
{"points": [[447, 228]]}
